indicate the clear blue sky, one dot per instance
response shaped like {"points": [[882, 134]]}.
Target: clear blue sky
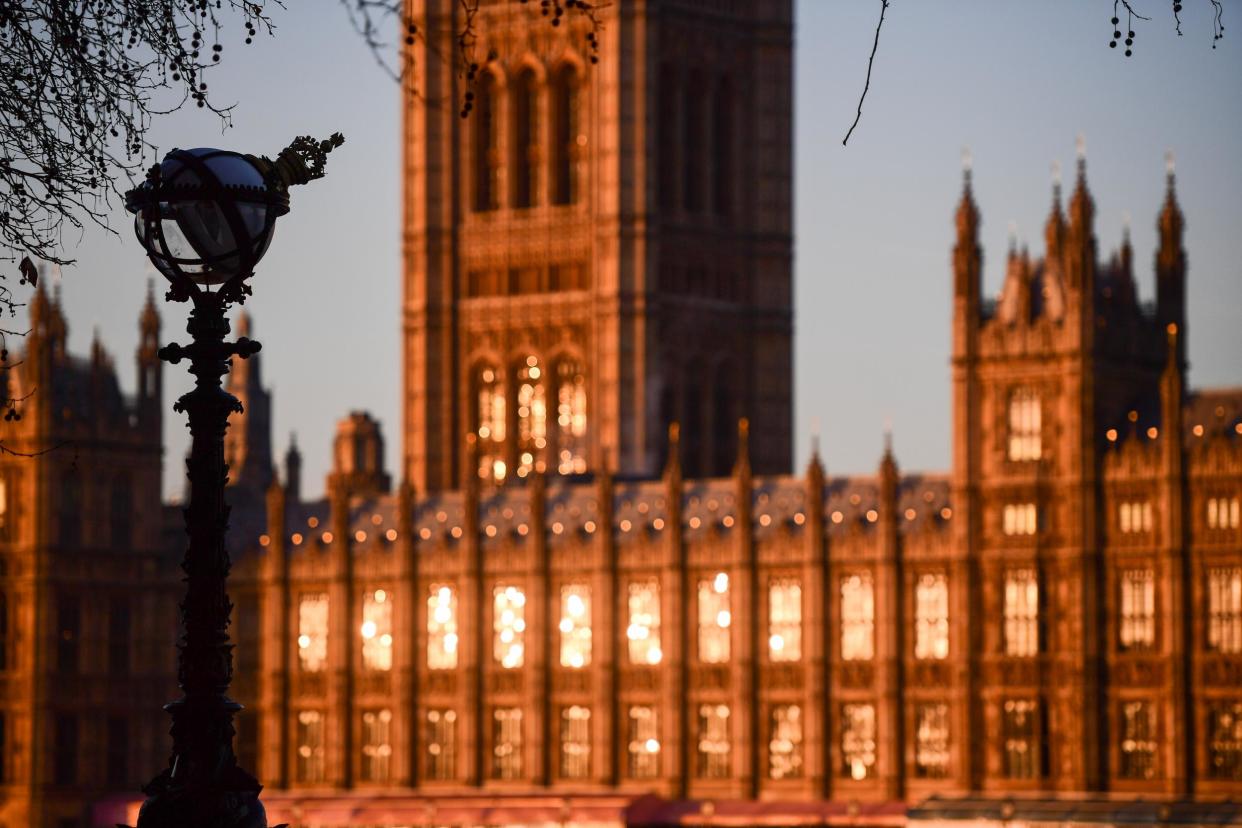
{"points": [[1015, 81]]}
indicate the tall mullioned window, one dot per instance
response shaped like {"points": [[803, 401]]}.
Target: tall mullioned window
{"points": [[1024, 425], [785, 619], [486, 145], [1224, 609], [643, 749], [1225, 741], [713, 742], [532, 414], [575, 625], [575, 742], [643, 630], [1224, 513], [931, 741], [442, 628], [931, 616], [506, 743], [1020, 732], [376, 745], [441, 741], [309, 736], [525, 147], [571, 417], [509, 626], [1021, 612], [785, 742], [1137, 624], [490, 422], [1019, 519], [567, 137], [858, 740], [313, 631], [376, 630], [1138, 740], [715, 619], [857, 617], [1134, 517]]}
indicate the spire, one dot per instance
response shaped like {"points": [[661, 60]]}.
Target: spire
{"points": [[243, 324], [293, 469], [967, 255], [888, 472], [1171, 399], [1171, 261], [672, 468], [1082, 208], [1054, 229], [149, 318]]}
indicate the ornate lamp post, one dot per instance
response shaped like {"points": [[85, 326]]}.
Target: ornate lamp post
{"points": [[206, 217]]}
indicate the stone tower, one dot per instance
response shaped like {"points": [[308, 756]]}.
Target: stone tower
{"points": [[598, 249]]}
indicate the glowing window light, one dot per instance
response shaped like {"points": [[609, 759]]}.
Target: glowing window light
{"points": [[442, 628], [715, 619], [857, 617], [785, 619], [313, 631], [931, 616], [643, 630], [509, 626], [377, 630], [575, 625]]}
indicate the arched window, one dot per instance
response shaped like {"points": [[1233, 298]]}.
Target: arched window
{"points": [[571, 417], [490, 422], [70, 511], [666, 137], [565, 135], [121, 513], [722, 149], [486, 120], [724, 423], [692, 148], [1024, 425], [531, 414], [525, 145]]}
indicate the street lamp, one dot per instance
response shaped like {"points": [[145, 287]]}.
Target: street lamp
{"points": [[206, 217]]}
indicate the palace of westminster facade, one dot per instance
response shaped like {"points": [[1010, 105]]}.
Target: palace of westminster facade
{"points": [[596, 578]]}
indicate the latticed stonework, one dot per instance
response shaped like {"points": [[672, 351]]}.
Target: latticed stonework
{"points": [[1060, 612], [598, 249]]}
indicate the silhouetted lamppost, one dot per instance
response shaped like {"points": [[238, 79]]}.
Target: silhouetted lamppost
{"points": [[206, 217]]}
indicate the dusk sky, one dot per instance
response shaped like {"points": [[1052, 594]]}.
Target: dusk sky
{"points": [[1014, 81]]}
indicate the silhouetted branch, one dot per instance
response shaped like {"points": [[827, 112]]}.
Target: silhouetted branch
{"points": [[870, 62]]}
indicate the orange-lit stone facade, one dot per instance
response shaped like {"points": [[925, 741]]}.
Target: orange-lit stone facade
{"points": [[598, 249], [88, 616], [1060, 612]]}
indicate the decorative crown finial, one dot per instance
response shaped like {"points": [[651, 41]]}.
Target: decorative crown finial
{"points": [[299, 163], [968, 160], [1080, 147], [1170, 162]]}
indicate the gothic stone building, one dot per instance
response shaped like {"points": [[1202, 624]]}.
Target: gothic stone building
{"points": [[597, 579], [87, 617]]}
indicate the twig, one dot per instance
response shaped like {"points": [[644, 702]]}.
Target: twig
{"points": [[870, 61]]}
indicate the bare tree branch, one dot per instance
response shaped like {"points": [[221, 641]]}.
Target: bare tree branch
{"points": [[870, 62]]}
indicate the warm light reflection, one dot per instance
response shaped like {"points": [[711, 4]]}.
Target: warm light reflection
{"points": [[509, 626], [441, 628]]}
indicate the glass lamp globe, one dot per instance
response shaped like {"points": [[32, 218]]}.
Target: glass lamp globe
{"points": [[206, 215]]}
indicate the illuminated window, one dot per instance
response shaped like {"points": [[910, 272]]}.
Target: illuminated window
{"points": [[525, 148], [858, 745], [931, 741], [532, 415], [506, 743], [509, 626], [377, 630], [566, 136], [1137, 628], [310, 767], [485, 122], [931, 616], [571, 417], [785, 742], [441, 740], [644, 743], [1024, 425], [857, 617], [1020, 730], [313, 631], [1224, 627], [441, 628], [713, 747], [376, 745], [715, 619], [1133, 518], [575, 625], [490, 423], [643, 631], [1019, 519], [1225, 741], [1223, 513], [785, 620], [1021, 612], [1138, 740], [575, 742]]}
